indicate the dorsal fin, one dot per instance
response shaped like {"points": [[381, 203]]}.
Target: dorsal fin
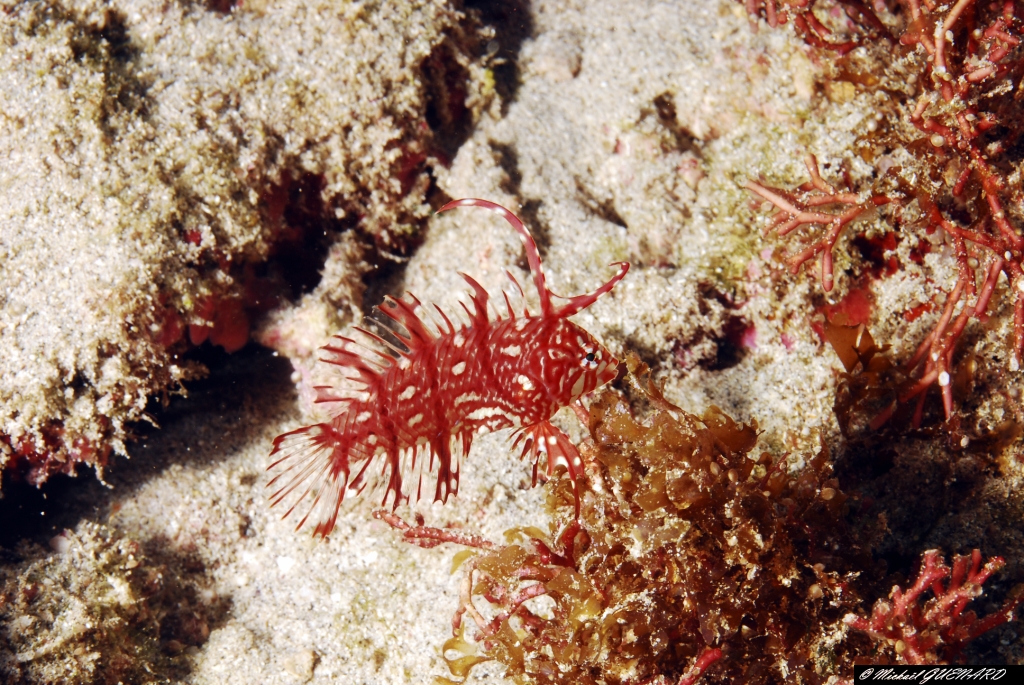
{"points": [[479, 316], [447, 321], [417, 335], [581, 302], [365, 372], [547, 308]]}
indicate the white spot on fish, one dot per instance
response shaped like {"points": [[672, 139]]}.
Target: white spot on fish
{"points": [[484, 413], [525, 382], [552, 440], [408, 393], [404, 363], [458, 369], [458, 340], [512, 350], [363, 416], [414, 420], [468, 397], [521, 324]]}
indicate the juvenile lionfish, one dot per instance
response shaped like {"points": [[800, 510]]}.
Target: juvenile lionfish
{"points": [[412, 408]]}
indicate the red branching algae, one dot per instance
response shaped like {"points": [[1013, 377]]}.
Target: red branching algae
{"points": [[811, 207], [961, 122], [937, 630], [858, 15]]}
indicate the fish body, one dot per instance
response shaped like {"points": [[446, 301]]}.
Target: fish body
{"points": [[411, 407]]}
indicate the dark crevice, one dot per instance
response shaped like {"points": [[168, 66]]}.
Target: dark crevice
{"points": [[683, 139], [306, 229], [731, 346], [302, 229], [226, 395], [603, 208], [36, 513], [906, 498], [222, 6], [513, 24], [446, 113]]}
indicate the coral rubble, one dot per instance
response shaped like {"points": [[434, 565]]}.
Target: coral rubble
{"points": [[150, 151]]}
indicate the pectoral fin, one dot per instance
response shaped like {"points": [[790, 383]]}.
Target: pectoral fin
{"points": [[543, 440]]}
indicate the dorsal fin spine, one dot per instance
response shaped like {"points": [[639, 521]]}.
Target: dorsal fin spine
{"points": [[547, 309], [532, 255]]}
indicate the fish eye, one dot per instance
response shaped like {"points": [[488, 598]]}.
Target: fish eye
{"points": [[590, 356]]}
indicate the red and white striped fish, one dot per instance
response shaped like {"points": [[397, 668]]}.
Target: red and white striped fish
{"points": [[412, 409]]}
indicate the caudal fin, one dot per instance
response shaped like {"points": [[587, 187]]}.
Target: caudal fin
{"points": [[310, 470]]}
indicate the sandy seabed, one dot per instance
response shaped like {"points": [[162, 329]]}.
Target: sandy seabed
{"points": [[628, 137]]}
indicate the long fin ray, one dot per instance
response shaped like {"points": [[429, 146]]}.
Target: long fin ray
{"points": [[312, 460], [578, 303], [447, 321], [530, 246], [480, 298], [417, 334], [383, 342], [547, 308], [366, 370]]}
